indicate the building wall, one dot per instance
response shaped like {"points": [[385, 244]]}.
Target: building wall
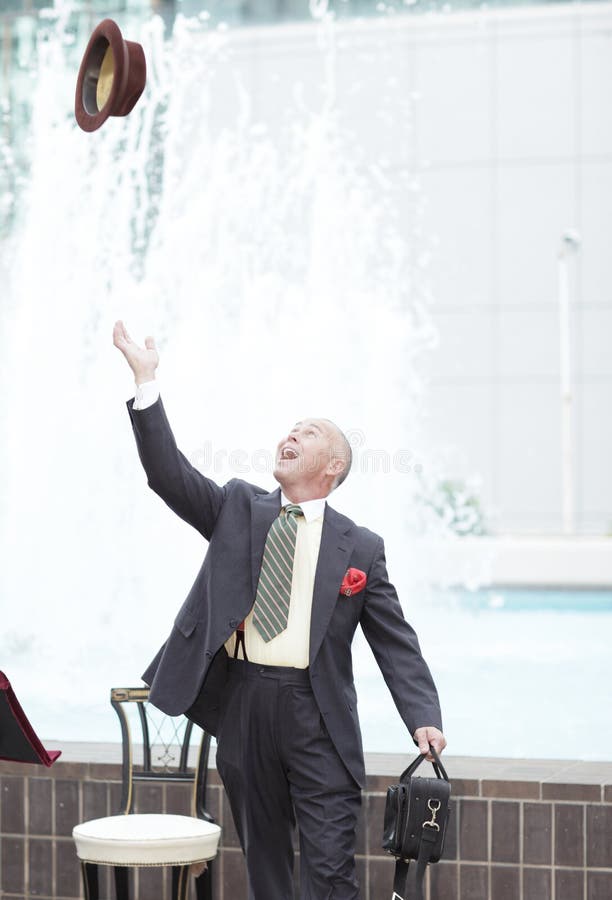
{"points": [[519, 830], [494, 129]]}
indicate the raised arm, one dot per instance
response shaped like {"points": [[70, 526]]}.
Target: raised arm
{"points": [[192, 496]]}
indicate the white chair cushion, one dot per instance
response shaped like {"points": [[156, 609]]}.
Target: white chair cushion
{"points": [[146, 839]]}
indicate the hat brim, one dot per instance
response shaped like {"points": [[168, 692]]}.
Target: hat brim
{"points": [[111, 78]]}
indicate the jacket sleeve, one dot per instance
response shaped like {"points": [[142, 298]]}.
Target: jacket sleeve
{"points": [[396, 648], [192, 496]]}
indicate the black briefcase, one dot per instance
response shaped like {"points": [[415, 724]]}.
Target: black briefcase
{"points": [[416, 817]]}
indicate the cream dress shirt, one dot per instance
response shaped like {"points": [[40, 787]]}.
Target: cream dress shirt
{"points": [[291, 647]]}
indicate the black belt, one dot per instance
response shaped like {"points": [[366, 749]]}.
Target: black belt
{"points": [[246, 669]]}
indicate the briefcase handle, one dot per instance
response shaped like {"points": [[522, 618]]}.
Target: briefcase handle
{"points": [[438, 767]]}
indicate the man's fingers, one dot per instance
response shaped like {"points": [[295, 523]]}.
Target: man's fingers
{"points": [[120, 336], [150, 343]]}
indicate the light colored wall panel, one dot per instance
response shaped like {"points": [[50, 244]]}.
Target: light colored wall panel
{"points": [[458, 213], [376, 98], [466, 347], [528, 342], [594, 452], [536, 84], [454, 111], [595, 134], [288, 85], [595, 344], [529, 452], [460, 419], [535, 206], [596, 230]]}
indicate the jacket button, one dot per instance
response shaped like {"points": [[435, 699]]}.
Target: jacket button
{"points": [[208, 653], [233, 623]]}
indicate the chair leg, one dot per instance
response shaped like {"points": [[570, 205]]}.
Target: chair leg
{"points": [[90, 880], [122, 883], [203, 884], [180, 882]]}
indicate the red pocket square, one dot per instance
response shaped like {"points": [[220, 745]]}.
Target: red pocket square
{"points": [[353, 582]]}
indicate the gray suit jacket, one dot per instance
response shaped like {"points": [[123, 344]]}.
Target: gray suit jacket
{"points": [[188, 673]]}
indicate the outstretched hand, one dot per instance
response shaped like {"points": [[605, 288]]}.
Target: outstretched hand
{"points": [[143, 361], [427, 735]]}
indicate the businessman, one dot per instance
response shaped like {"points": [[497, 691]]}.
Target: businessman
{"points": [[260, 651]]}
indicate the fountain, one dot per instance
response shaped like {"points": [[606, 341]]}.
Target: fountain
{"points": [[265, 252]]}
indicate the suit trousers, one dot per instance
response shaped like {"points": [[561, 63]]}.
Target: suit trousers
{"points": [[279, 765]]}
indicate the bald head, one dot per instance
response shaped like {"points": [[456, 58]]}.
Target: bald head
{"points": [[341, 450], [312, 459]]}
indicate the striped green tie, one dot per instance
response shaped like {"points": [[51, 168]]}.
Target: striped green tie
{"points": [[271, 607]]}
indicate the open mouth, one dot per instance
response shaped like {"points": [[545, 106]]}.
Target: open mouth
{"points": [[288, 453]]}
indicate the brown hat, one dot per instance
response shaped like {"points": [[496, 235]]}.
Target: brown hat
{"points": [[112, 77]]}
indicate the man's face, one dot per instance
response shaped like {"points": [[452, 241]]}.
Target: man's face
{"points": [[305, 453]]}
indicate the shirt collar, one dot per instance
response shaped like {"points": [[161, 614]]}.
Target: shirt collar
{"points": [[312, 509]]}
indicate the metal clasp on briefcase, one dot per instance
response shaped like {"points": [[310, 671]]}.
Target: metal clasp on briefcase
{"points": [[433, 809]]}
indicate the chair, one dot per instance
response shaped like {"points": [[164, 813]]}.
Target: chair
{"points": [[133, 840]]}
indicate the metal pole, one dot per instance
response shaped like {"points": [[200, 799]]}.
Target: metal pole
{"points": [[570, 243]]}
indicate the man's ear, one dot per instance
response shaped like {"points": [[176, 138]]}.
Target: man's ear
{"points": [[335, 466]]}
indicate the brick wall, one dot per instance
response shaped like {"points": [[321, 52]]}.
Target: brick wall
{"points": [[520, 830]]}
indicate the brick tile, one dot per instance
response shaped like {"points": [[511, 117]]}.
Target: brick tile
{"points": [[450, 838], [213, 777], [178, 799], [599, 836], [505, 831], [41, 867], [505, 882], [444, 878], [537, 884], [68, 869], [568, 835], [569, 884], [149, 798], [64, 771], [473, 830], [513, 790], [104, 772], [40, 805], [378, 784], [229, 835], [599, 885], [66, 807], [362, 827], [553, 791], [466, 787], [10, 768], [537, 833], [114, 798], [12, 864], [12, 805], [151, 881], [375, 819], [381, 872], [214, 797], [234, 874], [95, 800], [474, 883], [361, 867]]}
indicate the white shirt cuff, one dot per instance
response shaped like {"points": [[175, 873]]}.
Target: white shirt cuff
{"points": [[147, 394]]}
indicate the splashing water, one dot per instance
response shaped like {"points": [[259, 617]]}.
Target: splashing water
{"points": [[264, 250]]}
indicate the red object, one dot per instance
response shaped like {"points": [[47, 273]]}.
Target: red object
{"points": [[18, 740], [353, 582], [111, 78]]}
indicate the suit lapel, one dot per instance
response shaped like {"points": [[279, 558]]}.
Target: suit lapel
{"points": [[264, 509], [334, 554]]}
